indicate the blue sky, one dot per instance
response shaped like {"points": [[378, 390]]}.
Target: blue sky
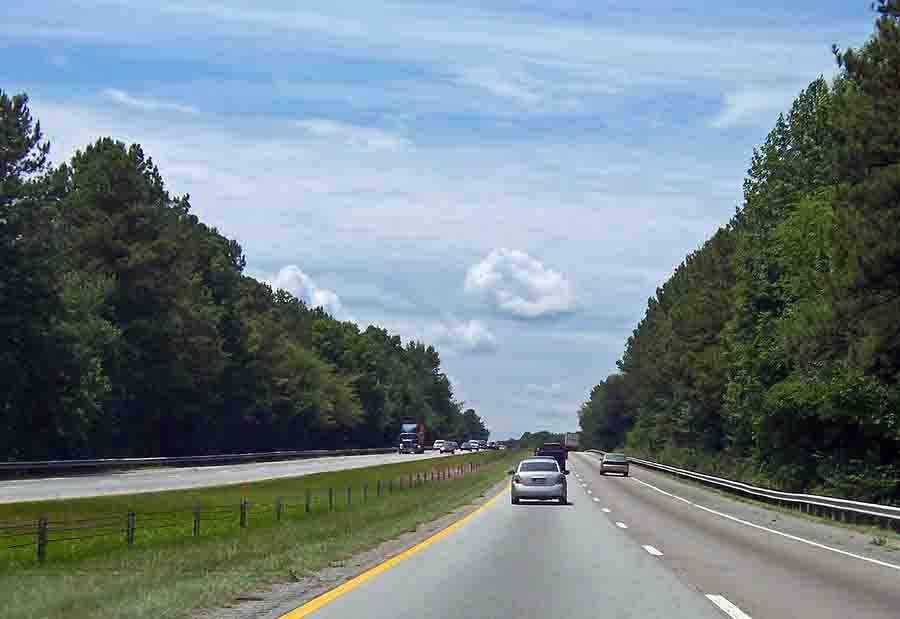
{"points": [[508, 180]]}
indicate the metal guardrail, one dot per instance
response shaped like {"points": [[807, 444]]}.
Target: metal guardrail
{"points": [[845, 510], [64, 466]]}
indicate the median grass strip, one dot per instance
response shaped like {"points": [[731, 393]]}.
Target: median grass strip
{"points": [[175, 576]]}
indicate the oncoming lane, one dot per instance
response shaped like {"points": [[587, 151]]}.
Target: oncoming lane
{"points": [[157, 479]]}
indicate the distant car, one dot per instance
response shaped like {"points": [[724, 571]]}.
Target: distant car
{"points": [[555, 450], [466, 446], [501, 447], [539, 478], [449, 447], [438, 445], [614, 463]]}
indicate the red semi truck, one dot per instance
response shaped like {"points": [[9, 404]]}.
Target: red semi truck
{"points": [[413, 438]]}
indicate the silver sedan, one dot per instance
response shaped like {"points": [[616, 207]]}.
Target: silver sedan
{"points": [[614, 463], [538, 478]]}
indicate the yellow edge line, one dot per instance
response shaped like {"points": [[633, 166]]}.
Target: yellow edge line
{"points": [[353, 583]]}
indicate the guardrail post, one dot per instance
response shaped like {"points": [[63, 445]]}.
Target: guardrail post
{"points": [[243, 513], [196, 529], [391, 486], [365, 493], [349, 494], [378, 488], [279, 508], [308, 499], [129, 528], [42, 540], [409, 485], [330, 499]]}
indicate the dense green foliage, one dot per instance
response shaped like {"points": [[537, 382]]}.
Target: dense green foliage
{"points": [[773, 352], [129, 328]]}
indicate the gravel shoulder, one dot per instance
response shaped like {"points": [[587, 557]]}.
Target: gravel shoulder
{"points": [[272, 602], [850, 538]]}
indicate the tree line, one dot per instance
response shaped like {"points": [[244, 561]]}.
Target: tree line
{"points": [[773, 351], [130, 329]]}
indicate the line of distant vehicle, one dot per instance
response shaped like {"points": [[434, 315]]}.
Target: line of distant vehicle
{"points": [[449, 446]]}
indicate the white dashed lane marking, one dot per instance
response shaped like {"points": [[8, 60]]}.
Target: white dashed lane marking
{"points": [[653, 551], [596, 500], [727, 607], [621, 525], [605, 509]]}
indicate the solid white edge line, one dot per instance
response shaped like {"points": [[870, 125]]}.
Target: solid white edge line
{"points": [[774, 532], [653, 551], [727, 607], [621, 525]]}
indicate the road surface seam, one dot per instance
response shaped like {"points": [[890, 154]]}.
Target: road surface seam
{"points": [[727, 607], [773, 531]]}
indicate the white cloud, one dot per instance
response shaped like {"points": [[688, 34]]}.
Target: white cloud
{"points": [[517, 284], [511, 85], [752, 105], [368, 138], [471, 336], [302, 286], [120, 96]]}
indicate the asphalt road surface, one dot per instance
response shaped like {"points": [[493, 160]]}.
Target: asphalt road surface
{"points": [[152, 480], [622, 550]]}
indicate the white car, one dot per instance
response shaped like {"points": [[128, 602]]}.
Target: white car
{"points": [[438, 445]]}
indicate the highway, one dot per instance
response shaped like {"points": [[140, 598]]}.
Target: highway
{"points": [[624, 548], [179, 478]]}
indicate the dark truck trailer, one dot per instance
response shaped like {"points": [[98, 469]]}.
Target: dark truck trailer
{"points": [[570, 440], [413, 438], [554, 450]]}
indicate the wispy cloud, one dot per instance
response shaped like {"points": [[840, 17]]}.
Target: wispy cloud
{"points": [[515, 86], [471, 336], [120, 96], [752, 105], [369, 138]]}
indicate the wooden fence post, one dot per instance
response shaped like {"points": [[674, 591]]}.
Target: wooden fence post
{"points": [[42, 540]]}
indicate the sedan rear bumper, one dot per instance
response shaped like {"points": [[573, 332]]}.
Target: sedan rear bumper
{"points": [[521, 491], [613, 468]]}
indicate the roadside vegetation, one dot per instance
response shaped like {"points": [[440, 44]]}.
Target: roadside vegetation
{"points": [[133, 329], [772, 354], [173, 575]]}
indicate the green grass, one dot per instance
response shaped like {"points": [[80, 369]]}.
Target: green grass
{"points": [[174, 574]]}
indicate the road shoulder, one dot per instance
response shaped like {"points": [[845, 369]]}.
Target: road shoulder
{"points": [[272, 602], [856, 540]]}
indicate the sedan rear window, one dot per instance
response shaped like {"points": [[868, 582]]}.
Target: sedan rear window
{"points": [[615, 457], [527, 467]]}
